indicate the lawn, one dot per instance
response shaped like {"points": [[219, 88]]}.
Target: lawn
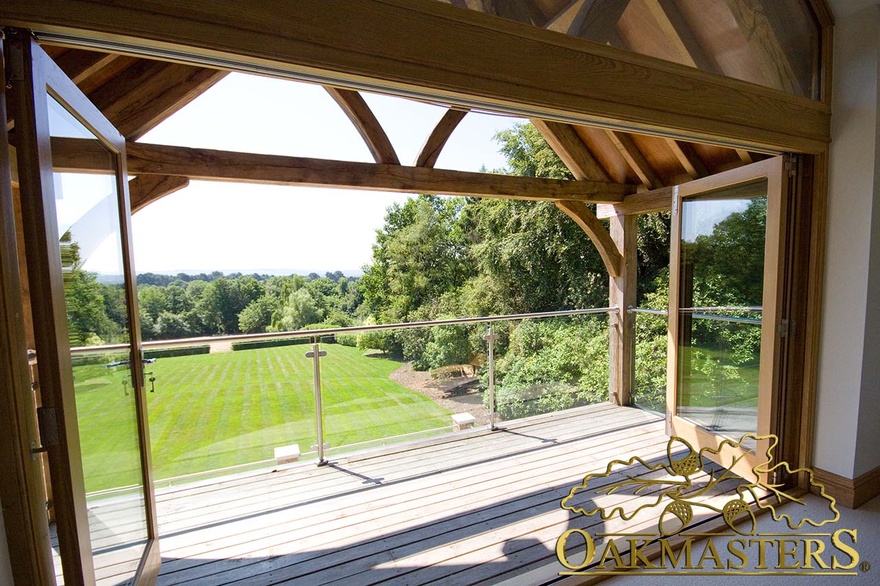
{"points": [[217, 410]]}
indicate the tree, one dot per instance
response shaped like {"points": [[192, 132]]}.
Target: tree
{"points": [[86, 316], [419, 254], [171, 325], [257, 316], [223, 299], [299, 311], [153, 300]]}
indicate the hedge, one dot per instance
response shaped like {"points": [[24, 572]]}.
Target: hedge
{"points": [[268, 343], [180, 351], [103, 358]]}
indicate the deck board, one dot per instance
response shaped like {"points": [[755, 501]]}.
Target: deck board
{"points": [[471, 507]]}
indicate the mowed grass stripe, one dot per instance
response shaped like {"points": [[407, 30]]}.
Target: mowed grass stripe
{"points": [[219, 410]]}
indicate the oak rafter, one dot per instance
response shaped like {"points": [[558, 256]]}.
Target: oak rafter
{"points": [[635, 159], [689, 159], [566, 143], [145, 189], [147, 93]]}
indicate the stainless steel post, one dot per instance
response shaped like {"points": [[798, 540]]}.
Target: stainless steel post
{"points": [[315, 355], [490, 337]]}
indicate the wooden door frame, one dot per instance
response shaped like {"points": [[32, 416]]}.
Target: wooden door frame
{"points": [[39, 224], [774, 170]]}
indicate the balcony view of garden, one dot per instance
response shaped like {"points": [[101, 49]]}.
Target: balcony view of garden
{"points": [[434, 258]]}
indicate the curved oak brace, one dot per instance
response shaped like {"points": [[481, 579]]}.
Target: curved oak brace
{"points": [[441, 133], [145, 189], [589, 223], [366, 123]]}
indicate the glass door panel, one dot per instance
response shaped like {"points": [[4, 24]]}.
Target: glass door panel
{"points": [[99, 334], [76, 225], [722, 318], [719, 313]]}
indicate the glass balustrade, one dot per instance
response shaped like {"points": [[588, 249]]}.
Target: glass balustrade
{"points": [[220, 406]]}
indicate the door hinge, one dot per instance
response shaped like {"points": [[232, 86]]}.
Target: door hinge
{"points": [[47, 420], [783, 328], [791, 165]]}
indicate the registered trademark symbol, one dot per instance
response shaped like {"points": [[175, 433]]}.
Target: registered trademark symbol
{"points": [[864, 566]]}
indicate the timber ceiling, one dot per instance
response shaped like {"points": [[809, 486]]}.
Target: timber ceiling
{"points": [[774, 43], [136, 94]]}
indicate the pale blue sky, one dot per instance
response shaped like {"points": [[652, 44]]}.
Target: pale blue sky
{"points": [[224, 226]]}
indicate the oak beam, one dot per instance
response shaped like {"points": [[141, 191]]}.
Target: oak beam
{"points": [[646, 202], [437, 140], [145, 189], [366, 123], [480, 61], [245, 167], [586, 219], [568, 145]]}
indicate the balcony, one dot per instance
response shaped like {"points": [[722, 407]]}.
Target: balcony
{"points": [[472, 500]]}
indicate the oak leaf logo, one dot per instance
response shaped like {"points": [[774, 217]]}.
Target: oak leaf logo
{"points": [[682, 484]]}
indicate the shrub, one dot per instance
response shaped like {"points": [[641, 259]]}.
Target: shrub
{"points": [[516, 401], [179, 351], [252, 345], [552, 365], [347, 340], [448, 345]]}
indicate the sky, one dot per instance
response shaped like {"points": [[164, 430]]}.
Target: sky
{"points": [[265, 228]]}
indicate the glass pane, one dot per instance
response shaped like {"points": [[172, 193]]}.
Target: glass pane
{"points": [[97, 311], [373, 398], [550, 365], [649, 379], [774, 43], [722, 284], [220, 408]]}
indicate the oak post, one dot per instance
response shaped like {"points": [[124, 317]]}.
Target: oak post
{"points": [[622, 294]]}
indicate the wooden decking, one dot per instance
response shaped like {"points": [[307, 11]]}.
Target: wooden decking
{"points": [[472, 507], [476, 507]]}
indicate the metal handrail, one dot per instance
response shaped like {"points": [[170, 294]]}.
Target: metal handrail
{"points": [[693, 311], [747, 308], [728, 318], [632, 309], [347, 330]]}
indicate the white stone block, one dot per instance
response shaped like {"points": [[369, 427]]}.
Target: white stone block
{"points": [[462, 421], [287, 454]]}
